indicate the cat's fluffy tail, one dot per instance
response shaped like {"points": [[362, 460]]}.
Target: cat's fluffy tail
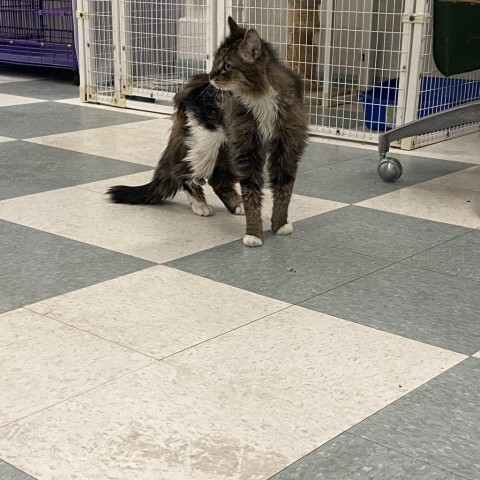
{"points": [[166, 180], [157, 191]]}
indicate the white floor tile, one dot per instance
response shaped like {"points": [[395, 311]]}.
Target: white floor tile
{"points": [[14, 78], [159, 424], [44, 362], [77, 101], [158, 311], [12, 100], [138, 143], [432, 202], [335, 371], [461, 149], [157, 233]]}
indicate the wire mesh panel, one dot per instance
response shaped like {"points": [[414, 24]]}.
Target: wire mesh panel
{"points": [[352, 54], [432, 92], [97, 22], [163, 43]]}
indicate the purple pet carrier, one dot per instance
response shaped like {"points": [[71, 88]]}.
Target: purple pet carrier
{"points": [[38, 32]]}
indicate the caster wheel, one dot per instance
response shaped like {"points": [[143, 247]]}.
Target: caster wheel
{"points": [[390, 169]]}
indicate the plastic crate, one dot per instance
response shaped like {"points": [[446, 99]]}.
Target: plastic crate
{"points": [[436, 94]]}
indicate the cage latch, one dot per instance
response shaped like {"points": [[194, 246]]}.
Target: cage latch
{"points": [[415, 18], [81, 14]]}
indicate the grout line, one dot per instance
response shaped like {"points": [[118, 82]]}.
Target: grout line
{"points": [[390, 265], [18, 469], [227, 332], [78, 394], [347, 432], [86, 331]]}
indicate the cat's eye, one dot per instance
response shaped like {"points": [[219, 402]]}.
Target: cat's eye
{"points": [[227, 66]]}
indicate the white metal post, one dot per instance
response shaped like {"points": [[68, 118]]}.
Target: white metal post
{"points": [[118, 99], [327, 69], [79, 18], [413, 82], [212, 42], [405, 63]]}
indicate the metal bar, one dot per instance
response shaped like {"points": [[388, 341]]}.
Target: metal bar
{"points": [[463, 114]]}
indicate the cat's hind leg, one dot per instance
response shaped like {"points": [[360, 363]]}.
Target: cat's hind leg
{"points": [[223, 183], [197, 200]]}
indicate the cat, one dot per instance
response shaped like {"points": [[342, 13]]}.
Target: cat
{"points": [[247, 113]]}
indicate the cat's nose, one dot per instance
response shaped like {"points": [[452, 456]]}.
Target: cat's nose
{"points": [[213, 74]]}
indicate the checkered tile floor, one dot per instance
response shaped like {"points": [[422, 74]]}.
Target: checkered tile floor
{"points": [[146, 343]]}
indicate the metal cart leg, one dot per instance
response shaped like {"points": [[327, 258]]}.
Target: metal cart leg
{"points": [[389, 168]]}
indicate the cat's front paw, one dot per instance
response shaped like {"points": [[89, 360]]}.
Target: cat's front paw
{"points": [[286, 229], [202, 209], [252, 241]]}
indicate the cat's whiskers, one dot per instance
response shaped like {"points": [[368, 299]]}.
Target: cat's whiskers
{"points": [[204, 91]]}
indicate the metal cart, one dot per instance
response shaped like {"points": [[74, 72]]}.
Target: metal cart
{"points": [[456, 50]]}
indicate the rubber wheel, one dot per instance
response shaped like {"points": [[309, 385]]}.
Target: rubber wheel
{"points": [[390, 169]]}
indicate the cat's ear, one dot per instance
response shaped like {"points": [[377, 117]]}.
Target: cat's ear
{"points": [[251, 47], [234, 28]]}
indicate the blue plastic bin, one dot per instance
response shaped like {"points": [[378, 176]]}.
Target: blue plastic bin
{"points": [[436, 94]]}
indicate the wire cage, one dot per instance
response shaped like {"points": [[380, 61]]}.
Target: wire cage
{"points": [[367, 65], [165, 42], [37, 32]]}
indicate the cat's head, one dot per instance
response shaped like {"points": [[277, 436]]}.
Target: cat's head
{"points": [[239, 63]]}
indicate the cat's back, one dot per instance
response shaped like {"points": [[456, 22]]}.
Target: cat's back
{"points": [[198, 100]]}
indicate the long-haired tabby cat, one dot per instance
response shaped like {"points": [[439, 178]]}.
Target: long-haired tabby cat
{"points": [[247, 112]]}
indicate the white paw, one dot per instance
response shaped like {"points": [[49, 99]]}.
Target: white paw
{"points": [[287, 229], [252, 241], [202, 209], [240, 210]]}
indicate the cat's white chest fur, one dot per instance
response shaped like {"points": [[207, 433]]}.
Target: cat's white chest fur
{"points": [[265, 111], [204, 147]]}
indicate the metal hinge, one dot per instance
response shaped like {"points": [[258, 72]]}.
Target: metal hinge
{"points": [[415, 17], [91, 94], [118, 100], [81, 14]]}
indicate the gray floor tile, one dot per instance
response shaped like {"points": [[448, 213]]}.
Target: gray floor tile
{"points": [[460, 256], [7, 472], [348, 457], [355, 180], [427, 306], [48, 118], [38, 265], [44, 89], [321, 154], [375, 233], [27, 168], [438, 422], [285, 268]]}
